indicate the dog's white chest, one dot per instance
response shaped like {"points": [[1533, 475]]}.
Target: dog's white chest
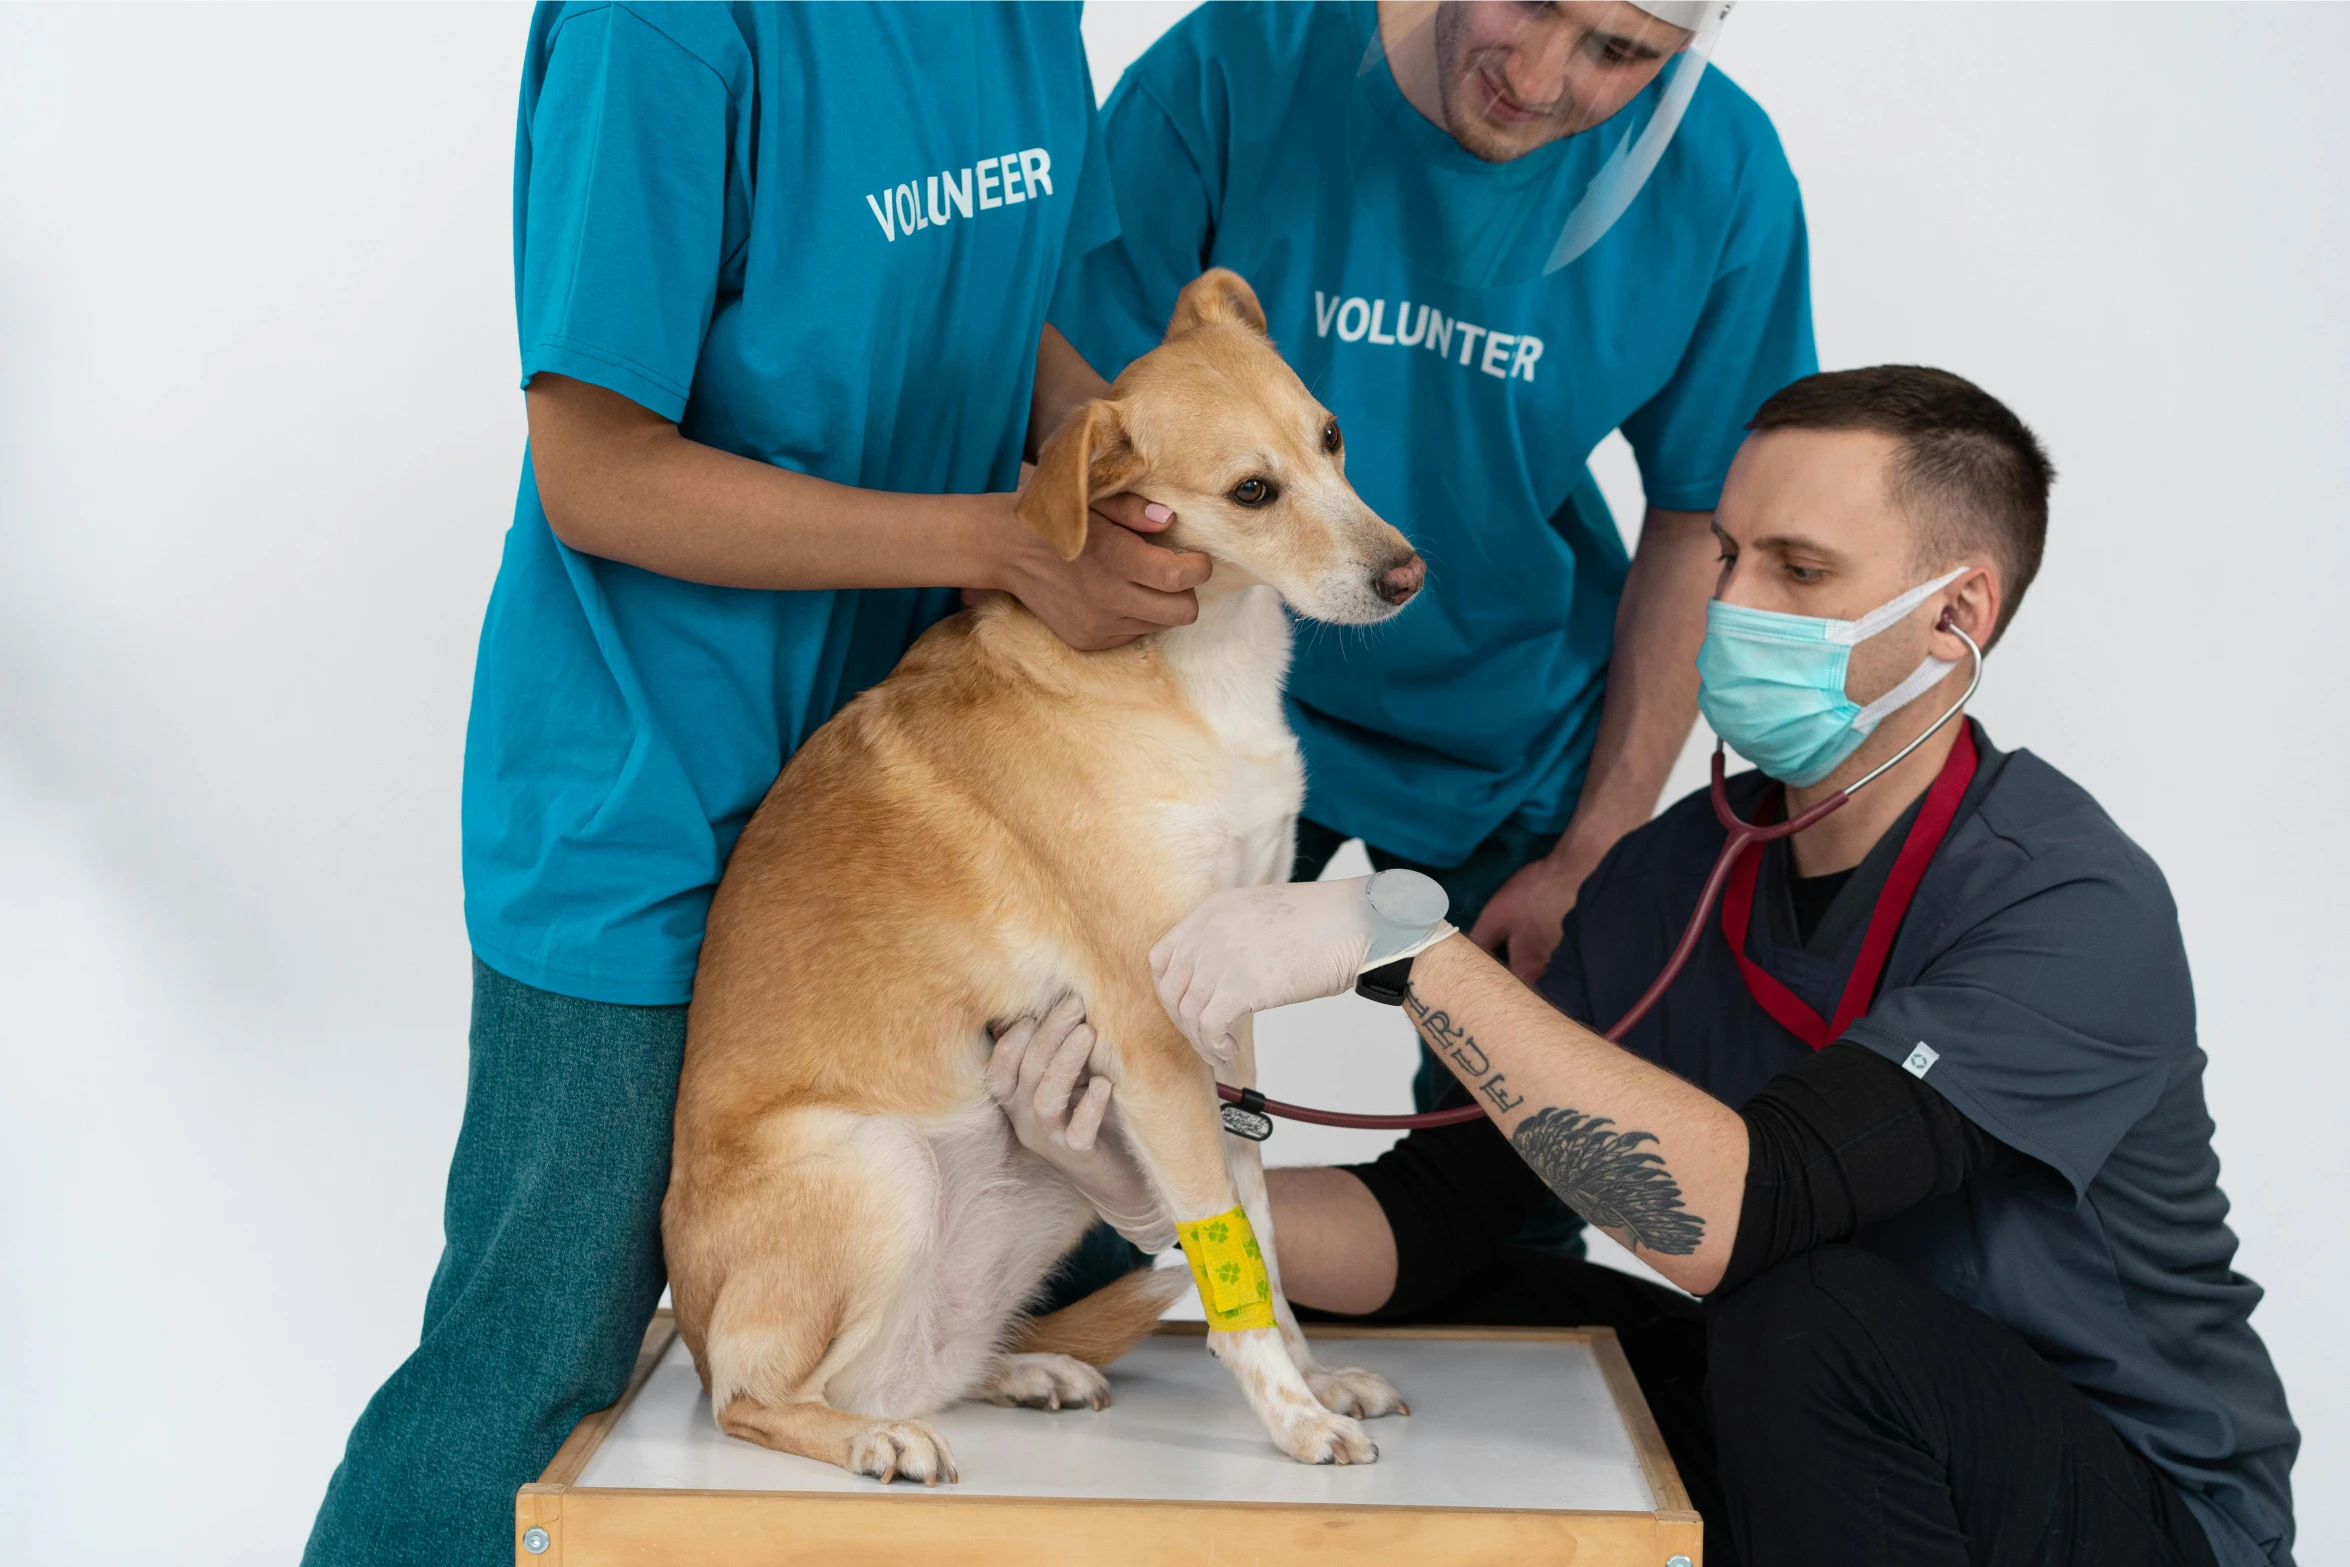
{"points": [[1260, 818], [1231, 665]]}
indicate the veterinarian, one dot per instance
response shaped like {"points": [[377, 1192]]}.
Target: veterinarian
{"points": [[1962, 1253], [1406, 186], [781, 275]]}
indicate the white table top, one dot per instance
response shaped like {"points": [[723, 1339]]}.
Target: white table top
{"points": [[1493, 1424]]}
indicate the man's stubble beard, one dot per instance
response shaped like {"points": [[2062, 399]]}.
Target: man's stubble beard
{"points": [[1461, 120]]}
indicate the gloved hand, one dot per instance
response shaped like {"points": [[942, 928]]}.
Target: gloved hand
{"points": [[1032, 1074], [1249, 949]]}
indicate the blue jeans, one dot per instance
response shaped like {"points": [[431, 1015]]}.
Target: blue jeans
{"points": [[550, 1271]]}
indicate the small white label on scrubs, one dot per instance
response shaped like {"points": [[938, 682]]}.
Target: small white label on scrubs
{"points": [[1920, 1059]]}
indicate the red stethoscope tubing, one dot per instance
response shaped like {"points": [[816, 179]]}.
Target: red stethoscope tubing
{"points": [[1742, 835]]}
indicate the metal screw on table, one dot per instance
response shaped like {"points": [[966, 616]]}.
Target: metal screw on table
{"points": [[1676, 1561], [535, 1542]]}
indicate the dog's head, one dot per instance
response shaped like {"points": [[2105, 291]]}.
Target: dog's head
{"points": [[1213, 425]]}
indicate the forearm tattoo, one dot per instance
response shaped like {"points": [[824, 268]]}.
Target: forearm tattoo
{"points": [[1608, 1178], [1450, 1040], [1603, 1174]]}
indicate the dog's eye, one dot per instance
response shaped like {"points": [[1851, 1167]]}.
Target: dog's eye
{"points": [[1254, 492], [1330, 436]]}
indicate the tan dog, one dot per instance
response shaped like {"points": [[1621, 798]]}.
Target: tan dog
{"points": [[853, 1233]]}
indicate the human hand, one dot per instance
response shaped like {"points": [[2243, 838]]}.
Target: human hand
{"points": [[1032, 1075], [1522, 918], [1250, 949], [1120, 586]]}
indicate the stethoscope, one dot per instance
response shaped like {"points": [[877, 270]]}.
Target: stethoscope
{"points": [[1742, 835]]}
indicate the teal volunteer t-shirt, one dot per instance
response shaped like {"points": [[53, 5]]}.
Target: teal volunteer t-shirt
{"points": [[818, 236], [1402, 277]]}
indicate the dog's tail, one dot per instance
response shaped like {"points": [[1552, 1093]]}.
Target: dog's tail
{"points": [[1108, 1322]]}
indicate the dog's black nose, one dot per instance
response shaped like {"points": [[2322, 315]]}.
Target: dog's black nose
{"points": [[1400, 581]]}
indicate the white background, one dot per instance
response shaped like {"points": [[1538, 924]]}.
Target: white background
{"points": [[258, 444]]}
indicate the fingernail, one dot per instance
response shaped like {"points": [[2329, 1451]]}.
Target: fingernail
{"points": [[1157, 513]]}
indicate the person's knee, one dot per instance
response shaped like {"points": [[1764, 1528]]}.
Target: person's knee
{"points": [[1741, 1322], [1788, 1337]]}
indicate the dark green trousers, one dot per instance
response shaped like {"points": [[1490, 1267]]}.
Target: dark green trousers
{"points": [[550, 1271]]}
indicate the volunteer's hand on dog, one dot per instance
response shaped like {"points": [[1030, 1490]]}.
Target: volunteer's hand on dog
{"points": [[1121, 586], [1033, 1075]]}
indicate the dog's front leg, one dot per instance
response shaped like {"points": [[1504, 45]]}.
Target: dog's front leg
{"points": [[1170, 1111], [1347, 1390]]}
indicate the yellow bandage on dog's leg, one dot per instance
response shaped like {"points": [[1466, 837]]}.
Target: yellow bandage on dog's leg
{"points": [[1229, 1267]]}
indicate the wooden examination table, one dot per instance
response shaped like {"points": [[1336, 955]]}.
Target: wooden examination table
{"points": [[1525, 1446]]}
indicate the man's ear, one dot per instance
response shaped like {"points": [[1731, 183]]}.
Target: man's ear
{"points": [[1975, 608], [1087, 456], [1217, 296]]}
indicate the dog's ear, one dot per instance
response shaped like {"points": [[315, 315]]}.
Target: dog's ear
{"points": [[1088, 455], [1217, 296]]}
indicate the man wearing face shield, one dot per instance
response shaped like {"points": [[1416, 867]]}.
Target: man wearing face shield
{"points": [[1922, 1120], [1487, 235]]}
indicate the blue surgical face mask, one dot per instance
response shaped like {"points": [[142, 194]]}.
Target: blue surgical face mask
{"points": [[1772, 685]]}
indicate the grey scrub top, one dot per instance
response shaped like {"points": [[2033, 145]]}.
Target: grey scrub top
{"points": [[2039, 983]]}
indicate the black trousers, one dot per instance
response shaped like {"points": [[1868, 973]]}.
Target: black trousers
{"points": [[1837, 1411]]}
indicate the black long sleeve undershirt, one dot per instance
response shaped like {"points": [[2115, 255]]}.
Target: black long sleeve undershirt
{"points": [[1835, 1143], [1838, 1142]]}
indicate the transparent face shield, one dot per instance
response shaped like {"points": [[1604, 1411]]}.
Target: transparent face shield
{"points": [[1539, 124]]}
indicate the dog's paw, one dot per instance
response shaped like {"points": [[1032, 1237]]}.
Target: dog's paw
{"points": [[1319, 1437], [1047, 1382], [902, 1450], [1348, 1390]]}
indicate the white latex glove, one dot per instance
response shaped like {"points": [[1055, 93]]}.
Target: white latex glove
{"points": [[1032, 1075], [1250, 949]]}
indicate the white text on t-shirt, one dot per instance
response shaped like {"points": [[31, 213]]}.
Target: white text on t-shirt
{"points": [[995, 182], [1505, 355]]}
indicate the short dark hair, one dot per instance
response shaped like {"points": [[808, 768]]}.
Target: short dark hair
{"points": [[1970, 474]]}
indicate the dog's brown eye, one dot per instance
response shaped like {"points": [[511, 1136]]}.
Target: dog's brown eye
{"points": [[1330, 436], [1253, 492]]}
